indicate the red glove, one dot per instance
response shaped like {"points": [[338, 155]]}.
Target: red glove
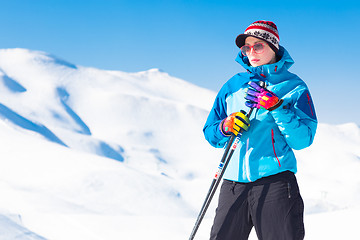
{"points": [[234, 123]]}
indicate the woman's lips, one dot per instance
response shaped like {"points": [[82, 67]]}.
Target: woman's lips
{"points": [[255, 60]]}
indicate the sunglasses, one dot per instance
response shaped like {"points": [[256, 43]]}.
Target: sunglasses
{"points": [[257, 47]]}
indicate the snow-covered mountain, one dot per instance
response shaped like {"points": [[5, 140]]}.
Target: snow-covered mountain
{"points": [[95, 154]]}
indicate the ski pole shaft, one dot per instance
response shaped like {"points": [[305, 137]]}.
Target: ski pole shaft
{"points": [[211, 191], [230, 148], [232, 143]]}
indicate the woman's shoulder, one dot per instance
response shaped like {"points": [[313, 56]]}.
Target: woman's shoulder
{"points": [[236, 82]]}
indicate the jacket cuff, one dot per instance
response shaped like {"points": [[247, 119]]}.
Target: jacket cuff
{"points": [[281, 115]]}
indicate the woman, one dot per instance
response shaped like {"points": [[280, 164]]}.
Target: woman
{"points": [[259, 187]]}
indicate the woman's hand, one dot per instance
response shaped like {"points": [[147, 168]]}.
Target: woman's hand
{"points": [[258, 96]]}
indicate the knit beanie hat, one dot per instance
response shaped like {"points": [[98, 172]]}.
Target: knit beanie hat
{"points": [[264, 30]]}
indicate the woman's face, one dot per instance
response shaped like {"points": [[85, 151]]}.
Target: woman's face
{"points": [[267, 56]]}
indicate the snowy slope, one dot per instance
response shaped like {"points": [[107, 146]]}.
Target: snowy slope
{"points": [[95, 154]]}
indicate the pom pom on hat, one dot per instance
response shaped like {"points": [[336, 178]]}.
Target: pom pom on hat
{"points": [[264, 30]]}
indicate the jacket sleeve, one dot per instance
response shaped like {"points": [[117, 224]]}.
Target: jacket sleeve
{"points": [[211, 129], [296, 119]]}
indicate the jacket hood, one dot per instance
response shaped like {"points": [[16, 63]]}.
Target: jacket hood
{"points": [[284, 63]]}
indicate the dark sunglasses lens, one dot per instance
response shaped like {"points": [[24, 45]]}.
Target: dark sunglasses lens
{"points": [[258, 47], [245, 50]]}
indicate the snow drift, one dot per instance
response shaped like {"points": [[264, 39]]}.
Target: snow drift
{"points": [[95, 154]]}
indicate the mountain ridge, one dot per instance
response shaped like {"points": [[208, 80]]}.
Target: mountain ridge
{"points": [[108, 147]]}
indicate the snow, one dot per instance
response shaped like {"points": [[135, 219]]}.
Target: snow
{"points": [[96, 154]]}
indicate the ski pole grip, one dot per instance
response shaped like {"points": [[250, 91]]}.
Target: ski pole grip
{"points": [[262, 84]]}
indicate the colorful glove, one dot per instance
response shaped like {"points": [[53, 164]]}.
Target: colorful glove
{"points": [[258, 96], [234, 123]]}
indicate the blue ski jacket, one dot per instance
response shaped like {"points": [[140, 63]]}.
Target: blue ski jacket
{"points": [[266, 148]]}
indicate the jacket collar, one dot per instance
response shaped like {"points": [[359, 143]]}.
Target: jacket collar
{"points": [[270, 69]]}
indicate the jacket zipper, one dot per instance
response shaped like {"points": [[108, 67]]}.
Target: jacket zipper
{"points": [[273, 144]]}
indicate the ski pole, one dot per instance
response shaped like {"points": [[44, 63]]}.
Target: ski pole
{"points": [[230, 148]]}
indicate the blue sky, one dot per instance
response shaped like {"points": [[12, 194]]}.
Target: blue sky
{"points": [[194, 40]]}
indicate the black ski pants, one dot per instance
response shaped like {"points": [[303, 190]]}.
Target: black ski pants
{"points": [[273, 205]]}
